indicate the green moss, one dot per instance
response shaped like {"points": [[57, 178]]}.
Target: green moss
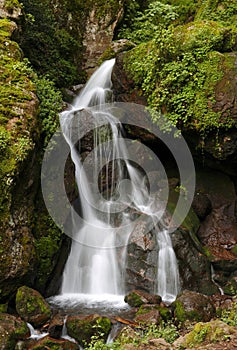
{"points": [[16, 90], [134, 299], [180, 69], [10, 5], [210, 332], [52, 39]]}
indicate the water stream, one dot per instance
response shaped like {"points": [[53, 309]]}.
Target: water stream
{"points": [[93, 267]]}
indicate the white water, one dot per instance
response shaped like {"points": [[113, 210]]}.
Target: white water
{"points": [[93, 266], [34, 333]]}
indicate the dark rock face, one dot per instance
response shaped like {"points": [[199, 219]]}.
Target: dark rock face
{"points": [[83, 328], [123, 86], [142, 255], [32, 307], [201, 205], [11, 330], [194, 307], [194, 266], [98, 35], [56, 326]]}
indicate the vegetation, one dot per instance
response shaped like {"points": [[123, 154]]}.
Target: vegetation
{"points": [[51, 39], [167, 331], [178, 66]]}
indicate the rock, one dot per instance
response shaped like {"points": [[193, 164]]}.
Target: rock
{"points": [[160, 344], [11, 330], [50, 343], [193, 306], [115, 48], [205, 333], [99, 31], [83, 328], [123, 86], [142, 255], [137, 298], [32, 307], [56, 326], [148, 314], [194, 265], [201, 205]]}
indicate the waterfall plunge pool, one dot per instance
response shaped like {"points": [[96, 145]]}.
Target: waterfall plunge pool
{"points": [[85, 304]]}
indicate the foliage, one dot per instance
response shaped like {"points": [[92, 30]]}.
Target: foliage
{"points": [[166, 331], [50, 105], [144, 27], [52, 42], [179, 66], [229, 316], [223, 11]]}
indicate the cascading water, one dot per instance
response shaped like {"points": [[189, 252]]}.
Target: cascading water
{"points": [[93, 266]]}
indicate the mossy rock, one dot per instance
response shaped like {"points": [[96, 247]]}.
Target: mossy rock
{"points": [[213, 34], [83, 328], [207, 333], [230, 287], [137, 298], [11, 330], [193, 306], [32, 307]]}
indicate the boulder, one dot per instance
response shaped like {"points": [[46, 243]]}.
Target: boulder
{"points": [[56, 326], [148, 315], [193, 306], [137, 298], [32, 307], [206, 333], [201, 205], [83, 328], [12, 329]]}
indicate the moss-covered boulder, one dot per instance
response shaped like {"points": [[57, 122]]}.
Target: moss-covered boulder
{"points": [[137, 298], [206, 333], [83, 328], [193, 306], [12, 329], [32, 307], [148, 314]]}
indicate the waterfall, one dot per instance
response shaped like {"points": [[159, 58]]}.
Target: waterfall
{"points": [[93, 266]]}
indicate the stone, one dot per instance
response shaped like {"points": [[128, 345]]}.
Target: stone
{"points": [[32, 307], [148, 314], [83, 328], [142, 255], [99, 32], [56, 326], [193, 306], [50, 343], [123, 86], [205, 333], [201, 205], [12, 329], [137, 298]]}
